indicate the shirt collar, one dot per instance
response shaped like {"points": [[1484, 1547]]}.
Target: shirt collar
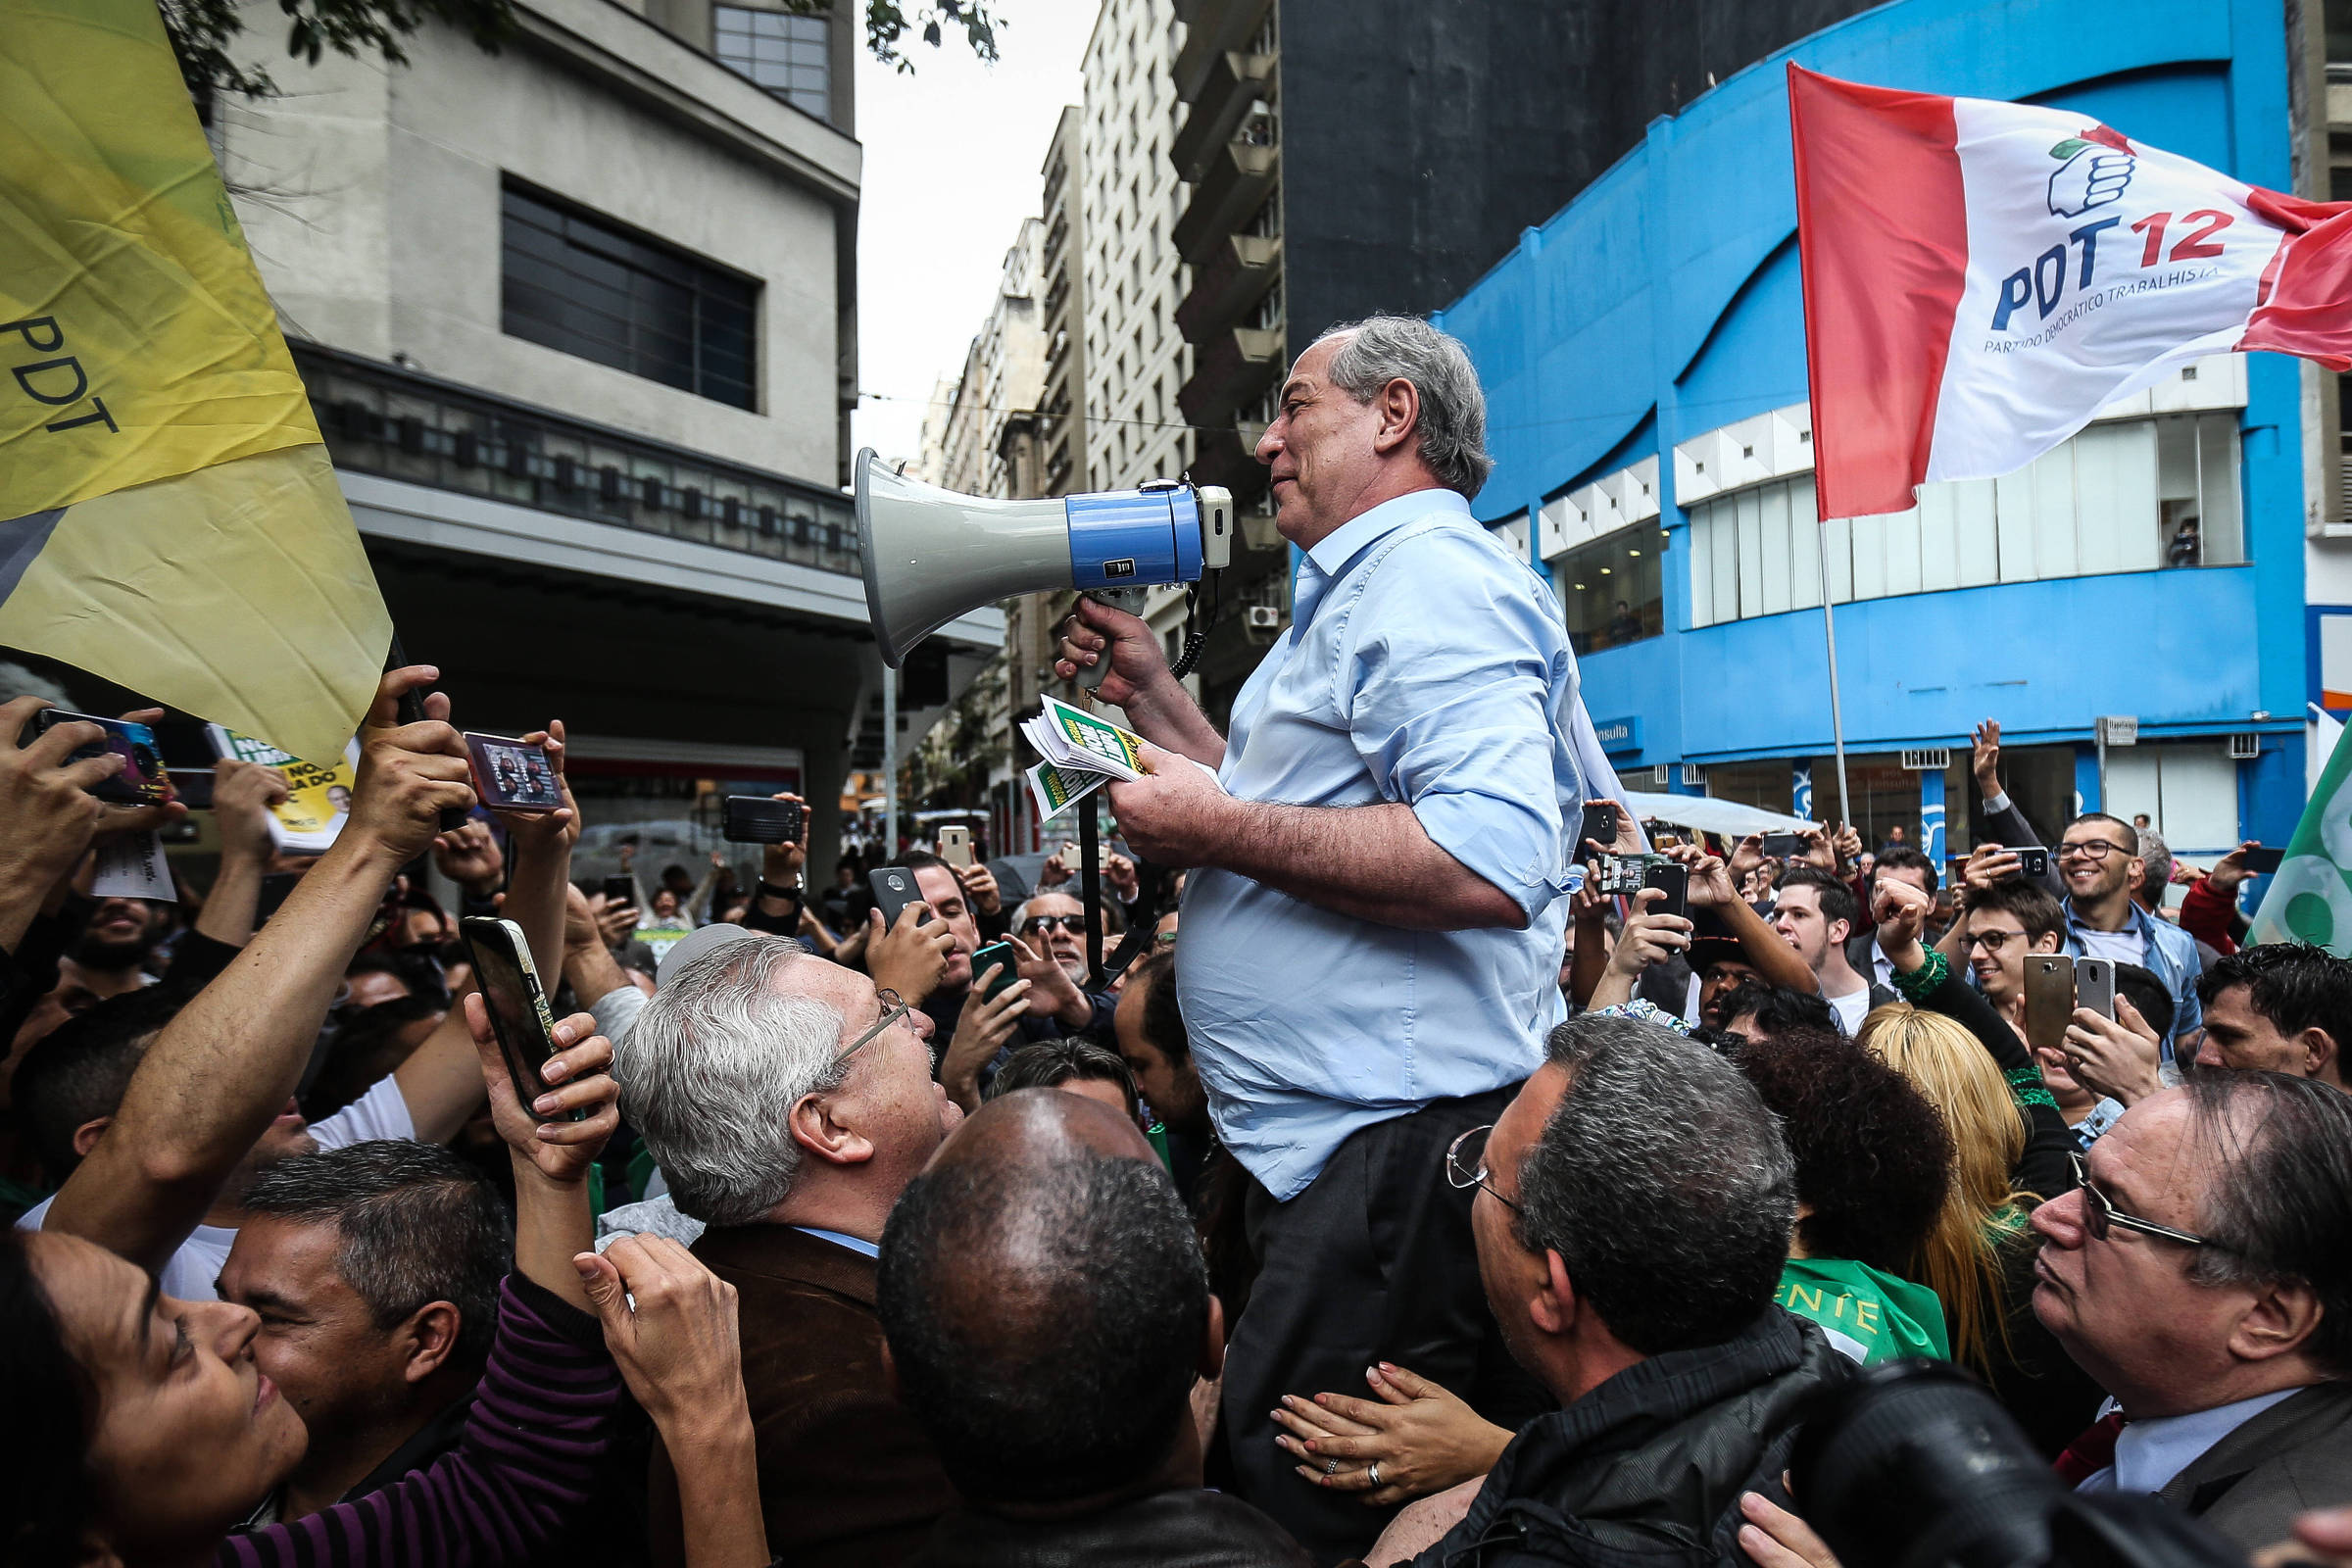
{"points": [[2149, 1454], [1349, 539], [855, 1244], [2142, 921]]}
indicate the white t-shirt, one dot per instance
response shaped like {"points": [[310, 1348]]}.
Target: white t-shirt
{"points": [[1850, 1009], [380, 1112], [2127, 946]]}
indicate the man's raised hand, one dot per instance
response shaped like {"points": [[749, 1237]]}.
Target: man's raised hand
{"points": [[408, 773]]}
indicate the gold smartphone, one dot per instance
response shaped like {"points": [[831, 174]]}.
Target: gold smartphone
{"points": [[2049, 998]]}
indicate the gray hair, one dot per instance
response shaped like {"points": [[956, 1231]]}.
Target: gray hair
{"points": [[710, 1072], [2156, 862], [413, 1225], [2278, 1204], [1381, 349], [1662, 1182]]}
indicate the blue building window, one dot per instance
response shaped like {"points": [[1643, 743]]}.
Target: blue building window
{"points": [[1612, 591]]}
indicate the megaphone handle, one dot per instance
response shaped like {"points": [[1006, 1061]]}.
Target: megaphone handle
{"points": [[1131, 600]]}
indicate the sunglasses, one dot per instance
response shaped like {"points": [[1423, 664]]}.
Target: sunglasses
{"points": [[2100, 1215], [1075, 924]]}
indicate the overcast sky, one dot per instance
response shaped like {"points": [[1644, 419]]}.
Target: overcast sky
{"points": [[953, 159]]}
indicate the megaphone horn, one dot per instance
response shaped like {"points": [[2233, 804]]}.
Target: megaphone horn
{"points": [[931, 555]]}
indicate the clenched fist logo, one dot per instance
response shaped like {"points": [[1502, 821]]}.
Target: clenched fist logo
{"points": [[2096, 166]]}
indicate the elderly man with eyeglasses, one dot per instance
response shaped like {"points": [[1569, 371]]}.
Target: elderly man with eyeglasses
{"points": [[2201, 1270], [790, 1102]]}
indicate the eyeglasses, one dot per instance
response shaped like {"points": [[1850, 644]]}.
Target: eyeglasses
{"points": [[2092, 850], [1466, 1164], [1074, 924], [2099, 1214], [894, 1008], [1993, 940]]}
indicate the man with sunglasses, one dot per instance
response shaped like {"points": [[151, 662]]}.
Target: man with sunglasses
{"points": [[790, 1102], [1052, 926], [2198, 1271]]}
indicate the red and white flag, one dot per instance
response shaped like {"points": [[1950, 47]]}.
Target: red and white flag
{"points": [[1981, 277]]}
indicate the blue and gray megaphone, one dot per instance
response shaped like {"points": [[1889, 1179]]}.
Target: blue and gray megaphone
{"points": [[931, 555]]}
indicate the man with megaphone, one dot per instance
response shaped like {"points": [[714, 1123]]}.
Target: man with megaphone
{"points": [[1372, 930]]}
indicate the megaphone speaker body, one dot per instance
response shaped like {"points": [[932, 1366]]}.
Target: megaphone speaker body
{"points": [[930, 554]]}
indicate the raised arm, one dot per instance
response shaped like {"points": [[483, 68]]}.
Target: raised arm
{"points": [[439, 1081], [231, 1059], [1711, 888]]}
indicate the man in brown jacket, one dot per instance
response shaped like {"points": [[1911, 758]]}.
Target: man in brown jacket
{"points": [[789, 1102]]}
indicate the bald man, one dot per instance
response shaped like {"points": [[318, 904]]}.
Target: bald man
{"points": [[1058, 1390]]}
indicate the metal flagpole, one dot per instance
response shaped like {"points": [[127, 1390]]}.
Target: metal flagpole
{"points": [[889, 764], [1829, 626]]}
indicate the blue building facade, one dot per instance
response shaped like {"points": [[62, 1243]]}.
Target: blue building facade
{"points": [[1644, 358]]}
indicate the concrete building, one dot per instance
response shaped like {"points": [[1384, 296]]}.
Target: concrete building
{"points": [[1672, 503], [579, 323], [1136, 360], [1345, 159]]}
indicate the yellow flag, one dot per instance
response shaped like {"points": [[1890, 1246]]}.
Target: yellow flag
{"points": [[168, 519]]}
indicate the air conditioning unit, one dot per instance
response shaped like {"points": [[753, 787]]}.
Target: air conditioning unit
{"points": [[1927, 759], [1262, 623], [2244, 748]]}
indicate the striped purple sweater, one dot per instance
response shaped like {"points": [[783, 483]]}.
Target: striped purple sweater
{"points": [[541, 1421]]}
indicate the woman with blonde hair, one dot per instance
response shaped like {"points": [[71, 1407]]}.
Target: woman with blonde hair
{"points": [[2009, 1153]]}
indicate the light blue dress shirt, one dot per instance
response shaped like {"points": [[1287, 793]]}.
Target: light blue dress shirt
{"points": [[1424, 665], [2149, 1454]]}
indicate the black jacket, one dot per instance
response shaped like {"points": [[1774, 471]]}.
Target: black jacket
{"points": [[1646, 1470], [1164, 1529]]}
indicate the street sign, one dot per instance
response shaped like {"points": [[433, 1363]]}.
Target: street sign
{"points": [[2119, 729]]}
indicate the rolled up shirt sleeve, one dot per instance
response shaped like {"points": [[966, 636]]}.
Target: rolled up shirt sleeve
{"points": [[1457, 680]]}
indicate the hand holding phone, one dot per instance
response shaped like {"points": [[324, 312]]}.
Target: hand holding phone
{"points": [[2265, 859], [1006, 963], [1673, 879], [955, 846], [2049, 999], [515, 1002], [893, 888], [143, 781], [760, 820], [513, 776]]}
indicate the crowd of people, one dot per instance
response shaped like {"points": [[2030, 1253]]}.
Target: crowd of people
{"points": [[1401, 1199]]}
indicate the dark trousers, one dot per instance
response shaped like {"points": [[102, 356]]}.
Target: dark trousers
{"points": [[1373, 1263]]}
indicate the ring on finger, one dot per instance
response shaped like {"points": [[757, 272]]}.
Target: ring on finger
{"points": [[1330, 1467], [1373, 1473]]}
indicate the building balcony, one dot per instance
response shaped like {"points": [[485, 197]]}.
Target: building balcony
{"points": [[1234, 279], [1234, 83], [1211, 28], [1220, 457], [1228, 373], [394, 423], [1235, 183]]}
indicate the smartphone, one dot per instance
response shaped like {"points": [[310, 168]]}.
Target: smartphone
{"points": [[143, 781], [1781, 846], [2263, 861], [893, 888], [2032, 861], [955, 846], [1675, 878], [517, 1003], [193, 786], [511, 775], [995, 953], [2094, 985], [2050, 998], [758, 820], [1621, 875], [620, 890], [1599, 826]]}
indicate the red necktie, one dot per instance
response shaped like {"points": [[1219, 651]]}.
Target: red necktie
{"points": [[2091, 1452]]}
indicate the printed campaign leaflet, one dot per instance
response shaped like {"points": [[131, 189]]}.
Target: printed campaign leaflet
{"points": [[1081, 754], [317, 800]]}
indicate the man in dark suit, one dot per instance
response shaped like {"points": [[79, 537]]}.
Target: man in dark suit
{"points": [[1050, 1322], [789, 1102], [2200, 1275]]}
